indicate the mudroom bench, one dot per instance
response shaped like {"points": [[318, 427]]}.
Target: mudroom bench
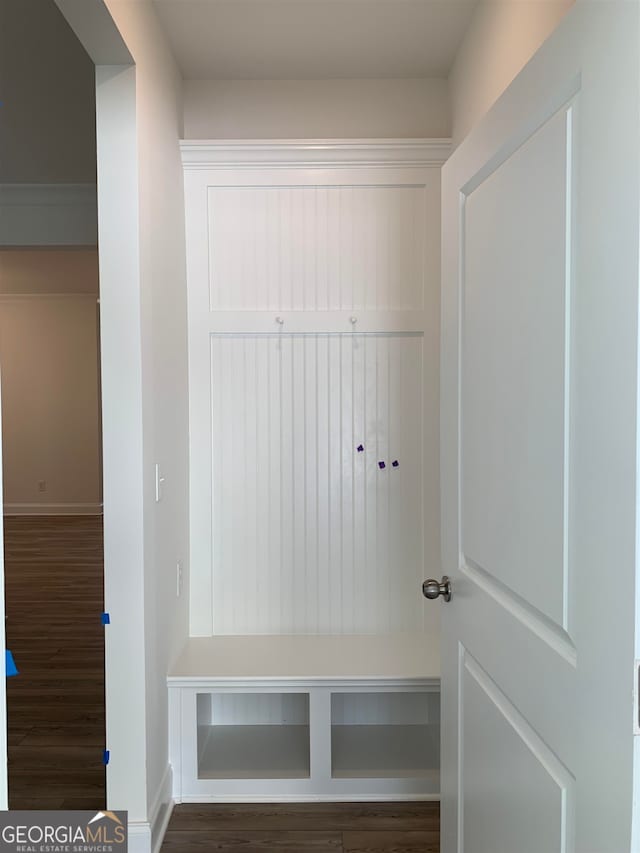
{"points": [[294, 718]]}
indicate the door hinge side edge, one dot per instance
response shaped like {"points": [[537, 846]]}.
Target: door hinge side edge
{"points": [[636, 698]]}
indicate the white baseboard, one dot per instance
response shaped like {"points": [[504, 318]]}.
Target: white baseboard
{"points": [[53, 509], [161, 810], [316, 798], [147, 836], [139, 837]]}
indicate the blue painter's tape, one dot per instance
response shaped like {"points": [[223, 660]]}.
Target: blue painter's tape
{"points": [[106, 755], [105, 619], [10, 664]]}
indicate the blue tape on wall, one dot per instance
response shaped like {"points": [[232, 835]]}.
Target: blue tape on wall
{"points": [[106, 755], [10, 664], [105, 619]]}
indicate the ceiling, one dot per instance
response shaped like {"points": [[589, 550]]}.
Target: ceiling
{"points": [[314, 39]]}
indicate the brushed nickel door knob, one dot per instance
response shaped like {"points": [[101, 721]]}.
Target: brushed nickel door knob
{"points": [[432, 588]]}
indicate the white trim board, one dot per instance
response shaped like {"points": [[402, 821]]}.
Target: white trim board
{"points": [[48, 215], [316, 798], [147, 836], [53, 509], [161, 810], [139, 837], [358, 660], [320, 153]]}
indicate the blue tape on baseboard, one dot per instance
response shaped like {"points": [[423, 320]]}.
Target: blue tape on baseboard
{"points": [[105, 619], [106, 755], [10, 664]]}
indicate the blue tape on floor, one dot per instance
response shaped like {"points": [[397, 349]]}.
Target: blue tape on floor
{"points": [[105, 619], [10, 664]]}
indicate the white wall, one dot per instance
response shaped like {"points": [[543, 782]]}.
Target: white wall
{"points": [[501, 38], [144, 373], [163, 376], [299, 109]]}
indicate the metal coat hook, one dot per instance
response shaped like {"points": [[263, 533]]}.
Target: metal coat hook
{"points": [[354, 340], [280, 322]]}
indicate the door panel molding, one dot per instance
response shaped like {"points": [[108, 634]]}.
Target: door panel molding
{"points": [[530, 617], [470, 674]]}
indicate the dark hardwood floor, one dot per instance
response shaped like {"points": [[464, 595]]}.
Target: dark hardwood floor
{"points": [[304, 828], [56, 723]]}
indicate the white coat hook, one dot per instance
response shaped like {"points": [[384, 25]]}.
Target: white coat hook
{"points": [[280, 322], [353, 320]]}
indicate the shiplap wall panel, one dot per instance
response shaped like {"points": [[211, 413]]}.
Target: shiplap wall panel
{"points": [[290, 531], [310, 535], [252, 709], [389, 708], [316, 248], [381, 709]]}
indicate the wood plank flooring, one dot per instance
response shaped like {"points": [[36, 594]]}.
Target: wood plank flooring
{"points": [[54, 598], [305, 827]]}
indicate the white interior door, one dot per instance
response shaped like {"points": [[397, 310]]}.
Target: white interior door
{"points": [[539, 433]]}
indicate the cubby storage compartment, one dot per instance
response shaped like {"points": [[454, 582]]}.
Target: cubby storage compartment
{"points": [[385, 735], [306, 718], [253, 735]]}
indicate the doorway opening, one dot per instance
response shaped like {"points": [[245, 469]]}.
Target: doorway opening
{"points": [[52, 459]]}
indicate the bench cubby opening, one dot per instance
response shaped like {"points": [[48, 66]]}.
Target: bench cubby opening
{"points": [[253, 735], [390, 735]]}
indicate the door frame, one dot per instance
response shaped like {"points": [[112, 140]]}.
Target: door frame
{"points": [[121, 354]]}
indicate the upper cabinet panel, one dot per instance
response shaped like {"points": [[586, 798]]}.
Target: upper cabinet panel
{"points": [[317, 248]]}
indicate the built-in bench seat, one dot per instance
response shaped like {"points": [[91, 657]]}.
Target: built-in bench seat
{"points": [[305, 718]]}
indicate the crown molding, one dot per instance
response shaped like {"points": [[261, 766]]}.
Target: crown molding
{"points": [[48, 215], [315, 153]]}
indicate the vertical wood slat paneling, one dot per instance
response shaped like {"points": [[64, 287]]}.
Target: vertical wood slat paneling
{"points": [[310, 535], [324, 248], [250, 709], [372, 709], [292, 532], [389, 708]]}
